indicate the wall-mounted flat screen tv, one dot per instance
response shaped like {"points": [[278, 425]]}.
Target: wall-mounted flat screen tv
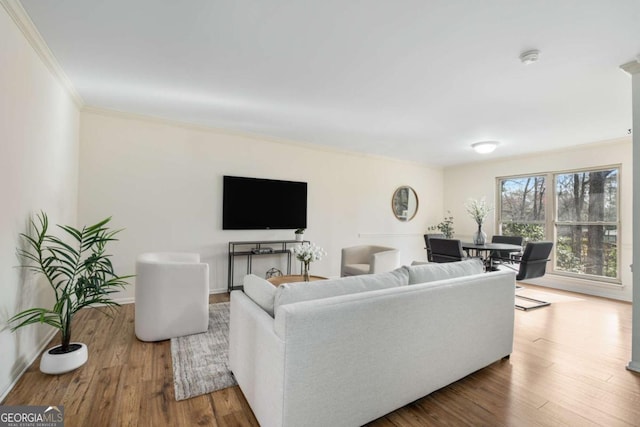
{"points": [[263, 204]]}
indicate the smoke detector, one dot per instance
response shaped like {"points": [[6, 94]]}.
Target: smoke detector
{"points": [[530, 56]]}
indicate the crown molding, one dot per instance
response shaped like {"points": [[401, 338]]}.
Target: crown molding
{"points": [[244, 134], [22, 20], [632, 67]]}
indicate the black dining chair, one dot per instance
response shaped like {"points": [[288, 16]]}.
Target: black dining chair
{"points": [[533, 264], [534, 260], [446, 250], [427, 245], [498, 257]]}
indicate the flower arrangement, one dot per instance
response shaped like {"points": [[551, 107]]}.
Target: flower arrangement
{"points": [[478, 209], [307, 253]]}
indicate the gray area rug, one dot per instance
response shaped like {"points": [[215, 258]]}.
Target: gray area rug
{"points": [[201, 361]]}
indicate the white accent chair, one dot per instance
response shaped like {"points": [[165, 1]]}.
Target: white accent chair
{"points": [[172, 295], [368, 259]]}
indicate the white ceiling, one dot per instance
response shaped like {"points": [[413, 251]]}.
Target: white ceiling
{"points": [[412, 79]]}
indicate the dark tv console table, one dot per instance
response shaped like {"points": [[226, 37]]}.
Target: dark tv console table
{"points": [[253, 248]]}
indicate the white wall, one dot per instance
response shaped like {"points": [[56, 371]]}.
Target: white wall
{"points": [[38, 171], [162, 182], [479, 180]]}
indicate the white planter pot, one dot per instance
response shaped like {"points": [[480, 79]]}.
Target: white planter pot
{"points": [[299, 237], [55, 364]]}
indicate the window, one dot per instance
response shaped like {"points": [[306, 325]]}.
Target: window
{"points": [[587, 222], [579, 213], [522, 207]]}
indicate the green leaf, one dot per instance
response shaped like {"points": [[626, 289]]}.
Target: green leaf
{"points": [[35, 315], [65, 257], [77, 234], [99, 224]]}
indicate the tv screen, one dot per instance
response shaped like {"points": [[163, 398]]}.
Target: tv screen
{"points": [[263, 204]]}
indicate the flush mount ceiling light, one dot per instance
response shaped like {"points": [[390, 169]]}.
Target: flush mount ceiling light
{"points": [[484, 147], [530, 56]]}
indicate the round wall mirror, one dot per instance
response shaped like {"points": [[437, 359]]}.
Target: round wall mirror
{"points": [[404, 203]]}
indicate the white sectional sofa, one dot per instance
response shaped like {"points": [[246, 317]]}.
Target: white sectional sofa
{"points": [[344, 352]]}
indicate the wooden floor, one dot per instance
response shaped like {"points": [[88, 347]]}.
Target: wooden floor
{"points": [[567, 368]]}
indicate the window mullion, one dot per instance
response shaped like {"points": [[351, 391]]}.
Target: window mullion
{"points": [[550, 215]]}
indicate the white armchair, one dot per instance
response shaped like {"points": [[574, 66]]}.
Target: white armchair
{"points": [[172, 296], [367, 259]]}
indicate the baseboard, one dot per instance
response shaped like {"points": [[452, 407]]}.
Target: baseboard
{"points": [[588, 287], [123, 301], [633, 366], [20, 370]]}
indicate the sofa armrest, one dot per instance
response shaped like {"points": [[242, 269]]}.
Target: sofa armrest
{"points": [[256, 358]]}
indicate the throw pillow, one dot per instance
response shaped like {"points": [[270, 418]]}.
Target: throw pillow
{"points": [[433, 271], [289, 293], [260, 291]]}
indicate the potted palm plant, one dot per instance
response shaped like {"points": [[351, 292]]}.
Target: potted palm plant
{"points": [[81, 274]]}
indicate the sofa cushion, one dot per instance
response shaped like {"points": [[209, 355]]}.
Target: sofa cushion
{"points": [[289, 293], [260, 291], [433, 271]]}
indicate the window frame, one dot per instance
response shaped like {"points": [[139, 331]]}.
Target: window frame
{"points": [[551, 213], [499, 197]]}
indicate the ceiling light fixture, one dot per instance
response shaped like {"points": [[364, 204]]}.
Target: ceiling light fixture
{"points": [[484, 147], [530, 56]]}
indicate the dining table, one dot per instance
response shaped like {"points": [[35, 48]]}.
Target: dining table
{"points": [[484, 251]]}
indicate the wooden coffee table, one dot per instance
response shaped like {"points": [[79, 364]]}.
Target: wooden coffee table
{"points": [[279, 280]]}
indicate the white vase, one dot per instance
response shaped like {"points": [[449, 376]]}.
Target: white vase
{"points": [[55, 364], [479, 237], [299, 237]]}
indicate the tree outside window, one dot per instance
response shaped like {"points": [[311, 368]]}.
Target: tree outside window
{"points": [[587, 222], [522, 207]]}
